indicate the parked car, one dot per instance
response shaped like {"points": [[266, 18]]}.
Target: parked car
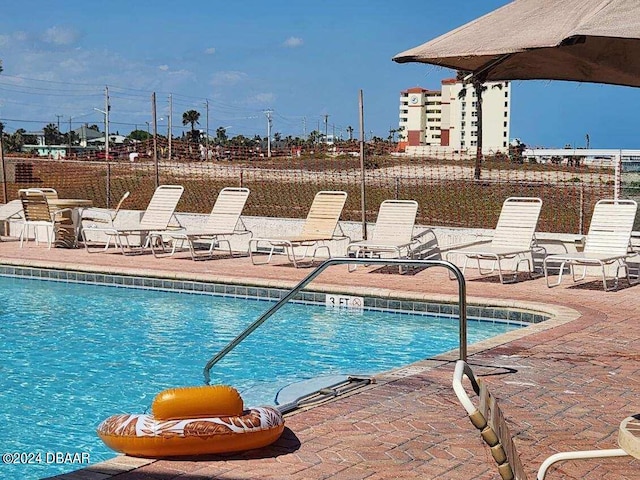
{"points": [[101, 155]]}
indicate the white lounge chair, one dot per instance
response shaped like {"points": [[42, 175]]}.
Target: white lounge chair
{"points": [[392, 234], [513, 239], [223, 222], [11, 212], [51, 193], [94, 218], [607, 243], [319, 227], [157, 217], [488, 418]]}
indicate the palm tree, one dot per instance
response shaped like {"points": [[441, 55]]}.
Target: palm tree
{"points": [[392, 134], [191, 117], [51, 134], [315, 137], [350, 132], [479, 87], [221, 135]]}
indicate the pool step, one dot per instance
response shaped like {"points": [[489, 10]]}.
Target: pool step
{"points": [[317, 390]]}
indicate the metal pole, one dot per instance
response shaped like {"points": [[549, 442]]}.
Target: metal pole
{"points": [[581, 220], [69, 136], [363, 191], [155, 137], [4, 171], [268, 113], [453, 269], [106, 143], [206, 138], [170, 128], [326, 132], [617, 176]]}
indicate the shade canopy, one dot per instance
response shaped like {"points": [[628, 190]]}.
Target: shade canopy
{"points": [[578, 40]]}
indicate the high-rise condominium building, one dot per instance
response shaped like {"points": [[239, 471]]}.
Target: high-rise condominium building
{"points": [[448, 121]]}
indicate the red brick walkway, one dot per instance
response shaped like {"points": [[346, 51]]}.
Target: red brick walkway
{"points": [[562, 388]]}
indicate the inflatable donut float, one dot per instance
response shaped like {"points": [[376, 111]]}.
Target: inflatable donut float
{"points": [[193, 421]]}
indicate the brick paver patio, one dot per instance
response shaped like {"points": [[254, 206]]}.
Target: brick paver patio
{"points": [[563, 386]]}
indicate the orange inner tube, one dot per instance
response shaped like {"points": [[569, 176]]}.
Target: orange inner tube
{"points": [[193, 421]]}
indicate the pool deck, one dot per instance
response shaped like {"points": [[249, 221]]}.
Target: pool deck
{"points": [[564, 385]]}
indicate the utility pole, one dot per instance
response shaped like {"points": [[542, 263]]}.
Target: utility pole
{"points": [[107, 107], [326, 119], [170, 128], [59, 121], [69, 135], [304, 127], [206, 138], [269, 122]]}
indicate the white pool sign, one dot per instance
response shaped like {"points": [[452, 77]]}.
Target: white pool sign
{"points": [[344, 301]]}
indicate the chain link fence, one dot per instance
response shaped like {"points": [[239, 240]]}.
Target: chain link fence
{"points": [[284, 185]]}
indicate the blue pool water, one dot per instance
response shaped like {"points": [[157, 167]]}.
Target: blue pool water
{"points": [[74, 354]]}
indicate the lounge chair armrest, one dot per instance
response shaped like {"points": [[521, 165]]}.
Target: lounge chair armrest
{"points": [[58, 211], [97, 215], [459, 246], [463, 369]]}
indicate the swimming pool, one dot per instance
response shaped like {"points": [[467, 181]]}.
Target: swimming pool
{"points": [[74, 354]]}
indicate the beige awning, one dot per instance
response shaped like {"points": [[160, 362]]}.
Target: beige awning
{"points": [[579, 40]]}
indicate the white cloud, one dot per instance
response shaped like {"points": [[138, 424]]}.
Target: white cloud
{"points": [[73, 66], [20, 36], [164, 68], [60, 35], [228, 78], [263, 98], [4, 40], [182, 73], [293, 42], [210, 51]]}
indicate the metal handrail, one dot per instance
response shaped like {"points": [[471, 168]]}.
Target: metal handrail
{"points": [[462, 303]]}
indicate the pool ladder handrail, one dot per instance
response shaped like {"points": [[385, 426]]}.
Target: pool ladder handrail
{"points": [[453, 269]]}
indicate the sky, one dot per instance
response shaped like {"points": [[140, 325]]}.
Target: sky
{"points": [[234, 61]]}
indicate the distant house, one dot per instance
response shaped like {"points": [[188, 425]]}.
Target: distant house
{"points": [[114, 139], [41, 149], [86, 135], [38, 135]]}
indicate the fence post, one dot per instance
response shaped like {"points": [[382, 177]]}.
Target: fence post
{"points": [[108, 184], [397, 193], [363, 203], [4, 171], [581, 219], [241, 178], [155, 138], [617, 175]]}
